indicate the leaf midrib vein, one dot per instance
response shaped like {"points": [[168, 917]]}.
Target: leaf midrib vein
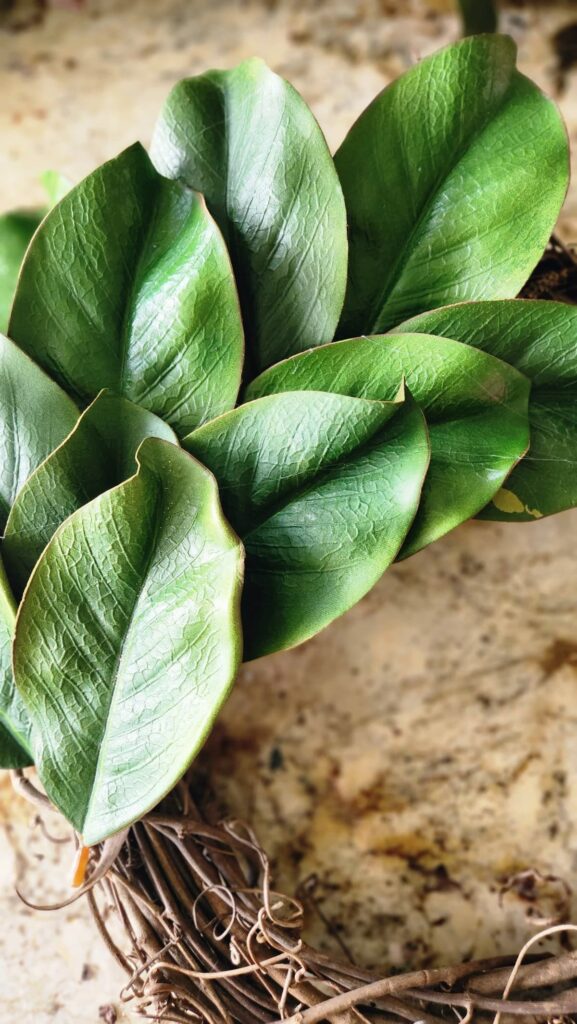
{"points": [[116, 668]]}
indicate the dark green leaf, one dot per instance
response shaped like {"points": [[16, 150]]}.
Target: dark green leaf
{"points": [[539, 338], [16, 230], [35, 416], [12, 753], [453, 179], [127, 285], [478, 16], [248, 142], [98, 454], [14, 721], [322, 489], [127, 641], [475, 405]]}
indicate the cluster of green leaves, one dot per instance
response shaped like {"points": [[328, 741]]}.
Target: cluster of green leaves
{"points": [[235, 387]]}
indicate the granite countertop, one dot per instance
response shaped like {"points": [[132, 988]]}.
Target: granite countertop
{"points": [[420, 752]]}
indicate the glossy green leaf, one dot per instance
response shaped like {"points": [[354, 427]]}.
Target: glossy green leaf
{"points": [[540, 339], [35, 416], [16, 230], [15, 749], [127, 640], [248, 142], [475, 405], [453, 179], [127, 285], [99, 454], [322, 489]]}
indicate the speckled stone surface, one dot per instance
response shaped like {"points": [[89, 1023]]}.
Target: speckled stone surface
{"points": [[422, 750]]}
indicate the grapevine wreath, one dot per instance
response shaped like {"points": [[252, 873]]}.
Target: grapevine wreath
{"points": [[238, 380]]}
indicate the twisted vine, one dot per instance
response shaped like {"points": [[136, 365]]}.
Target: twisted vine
{"points": [[188, 910]]}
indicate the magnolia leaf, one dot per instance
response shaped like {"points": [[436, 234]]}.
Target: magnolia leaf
{"points": [[98, 454], [322, 490], [475, 406], [16, 230], [453, 179], [127, 641], [127, 285], [539, 338], [249, 143], [15, 749], [35, 416]]}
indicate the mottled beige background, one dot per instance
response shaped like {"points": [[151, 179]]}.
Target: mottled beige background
{"points": [[423, 749]]}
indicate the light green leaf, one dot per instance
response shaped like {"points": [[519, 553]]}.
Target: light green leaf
{"points": [[475, 406], [56, 186], [99, 454], [35, 416], [127, 641], [248, 142], [540, 339], [16, 230], [322, 489], [127, 285], [15, 749], [453, 179]]}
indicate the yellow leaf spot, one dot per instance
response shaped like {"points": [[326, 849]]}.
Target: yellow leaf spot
{"points": [[506, 501]]}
